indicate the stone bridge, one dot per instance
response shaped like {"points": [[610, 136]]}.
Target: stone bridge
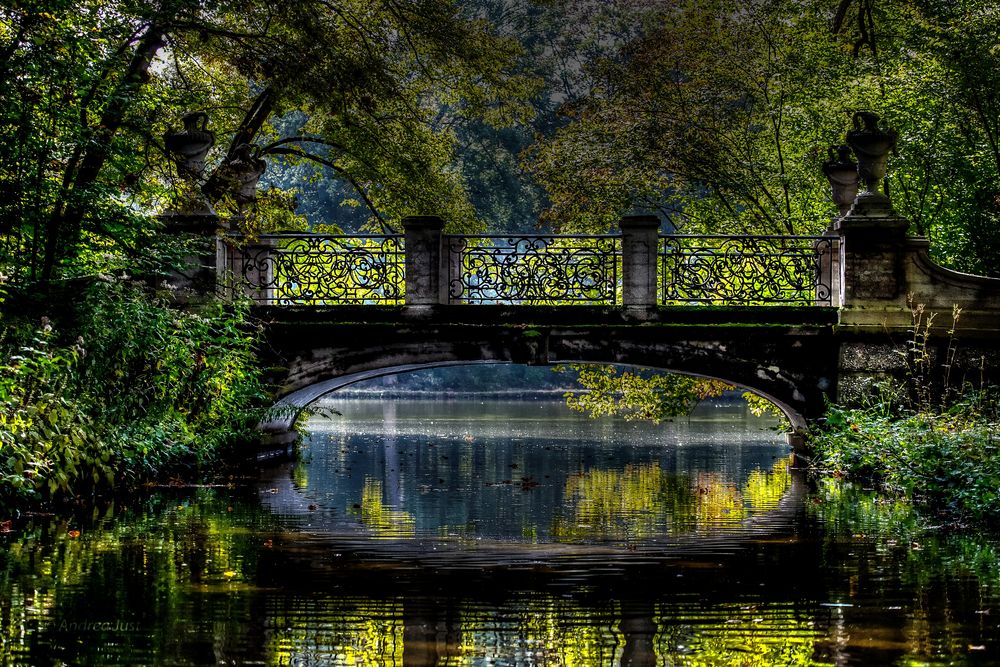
{"points": [[799, 320]]}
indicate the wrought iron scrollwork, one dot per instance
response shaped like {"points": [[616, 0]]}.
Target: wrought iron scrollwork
{"points": [[308, 269], [534, 270], [746, 270]]}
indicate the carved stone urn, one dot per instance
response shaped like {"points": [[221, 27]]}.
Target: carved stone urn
{"points": [[842, 172], [190, 146], [871, 146], [243, 173]]}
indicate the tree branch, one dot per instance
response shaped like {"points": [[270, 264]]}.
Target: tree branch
{"points": [[343, 174]]}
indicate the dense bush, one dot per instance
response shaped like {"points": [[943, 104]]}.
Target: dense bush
{"points": [[135, 389], [947, 460], [929, 438]]}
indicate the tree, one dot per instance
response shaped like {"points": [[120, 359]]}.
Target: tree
{"points": [[718, 114], [709, 118], [94, 86]]}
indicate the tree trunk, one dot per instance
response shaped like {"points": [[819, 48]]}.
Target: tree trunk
{"points": [[63, 231]]}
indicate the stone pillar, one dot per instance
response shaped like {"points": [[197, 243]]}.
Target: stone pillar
{"points": [[640, 242], [872, 278], [453, 288], [194, 280], [248, 270], [422, 245], [873, 289]]}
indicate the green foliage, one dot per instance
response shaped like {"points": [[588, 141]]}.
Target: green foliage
{"points": [[637, 395], [47, 439], [716, 114], [948, 461], [931, 437], [274, 211], [760, 406], [710, 117], [142, 389], [373, 92]]}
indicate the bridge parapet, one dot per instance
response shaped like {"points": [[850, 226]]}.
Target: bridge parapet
{"points": [[639, 269], [886, 275]]}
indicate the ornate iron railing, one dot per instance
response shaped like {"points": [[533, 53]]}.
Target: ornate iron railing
{"points": [[533, 270], [746, 270], [314, 269]]}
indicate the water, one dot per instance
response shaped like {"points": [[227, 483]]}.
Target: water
{"points": [[469, 533]]}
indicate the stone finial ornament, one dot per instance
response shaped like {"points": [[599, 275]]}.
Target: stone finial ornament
{"points": [[871, 145], [842, 172], [243, 172], [190, 146]]}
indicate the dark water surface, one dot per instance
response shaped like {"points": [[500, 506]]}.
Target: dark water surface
{"points": [[491, 533]]}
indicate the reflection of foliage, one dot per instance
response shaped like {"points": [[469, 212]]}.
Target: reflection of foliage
{"points": [[897, 526], [945, 577], [749, 637], [763, 489], [57, 571], [620, 505], [644, 501], [370, 634], [719, 501], [638, 394], [558, 632], [381, 519]]}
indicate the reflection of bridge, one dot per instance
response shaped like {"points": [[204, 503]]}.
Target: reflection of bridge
{"points": [[797, 319]]}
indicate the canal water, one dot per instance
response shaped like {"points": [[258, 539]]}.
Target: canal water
{"points": [[469, 532]]}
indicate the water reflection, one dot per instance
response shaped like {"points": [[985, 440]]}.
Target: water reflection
{"points": [[209, 576], [528, 473]]}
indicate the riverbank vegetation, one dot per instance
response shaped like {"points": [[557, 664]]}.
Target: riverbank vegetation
{"points": [[931, 438], [121, 388], [945, 461], [106, 377]]}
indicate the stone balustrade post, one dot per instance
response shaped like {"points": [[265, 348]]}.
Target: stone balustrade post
{"points": [[640, 244], [452, 278], [194, 279], [872, 249], [828, 285], [248, 270], [422, 245]]}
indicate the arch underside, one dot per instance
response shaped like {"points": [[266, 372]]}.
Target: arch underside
{"points": [[793, 369]]}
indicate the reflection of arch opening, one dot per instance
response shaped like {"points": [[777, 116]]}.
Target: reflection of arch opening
{"points": [[290, 406]]}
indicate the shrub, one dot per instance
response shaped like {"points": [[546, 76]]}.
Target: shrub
{"points": [[946, 460], [142, 388]]}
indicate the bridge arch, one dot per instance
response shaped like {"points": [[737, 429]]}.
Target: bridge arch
{"points": [[794, 377], [301, 399]]}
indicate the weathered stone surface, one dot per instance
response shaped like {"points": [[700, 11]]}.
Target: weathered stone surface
{"points": [[873, 275], [424, 286], [640, 244], [870, 356], [860, 388]]}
